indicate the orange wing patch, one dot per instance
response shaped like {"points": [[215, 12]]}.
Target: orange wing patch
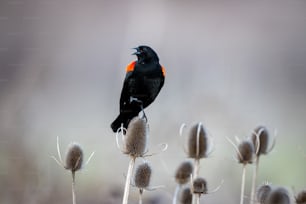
{"points": [[130, 67], [163, 70]]}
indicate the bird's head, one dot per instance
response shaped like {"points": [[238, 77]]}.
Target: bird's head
{"points": [[145, 54]]}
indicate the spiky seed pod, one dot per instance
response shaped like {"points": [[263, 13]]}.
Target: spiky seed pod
{"points": [[279, 195], [197, 148], [183, 172], [143, 176], [263, 136], [246, 152], [301, 197], [136, 137], [74, 157], [186, 196], [263, 193], [199, 186]]}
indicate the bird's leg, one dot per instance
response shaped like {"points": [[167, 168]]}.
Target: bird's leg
{"points": [[140, 103]]}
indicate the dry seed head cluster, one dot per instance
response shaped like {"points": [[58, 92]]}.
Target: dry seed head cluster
{"points": [[263, 193], [136, 137], [74, 157], [186, 196], [199, 186], [301, 197], [246, 152], [263, 138], [279, 195], [143, 176], [183, 172], [197, 147]]}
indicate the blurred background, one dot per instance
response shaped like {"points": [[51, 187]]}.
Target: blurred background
{"points": [[232, 65]]}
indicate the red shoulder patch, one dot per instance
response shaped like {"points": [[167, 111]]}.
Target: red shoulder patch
{"points": [[130, 67], [163, 70]]}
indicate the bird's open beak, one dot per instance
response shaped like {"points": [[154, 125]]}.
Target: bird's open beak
{"points": [[137, 51]]}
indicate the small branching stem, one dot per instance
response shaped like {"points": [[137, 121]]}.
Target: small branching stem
{"points": [[128, 181], [242, 184], [255, 172]]}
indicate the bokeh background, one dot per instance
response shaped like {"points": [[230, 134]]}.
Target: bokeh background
{"points": [[230, 64]]}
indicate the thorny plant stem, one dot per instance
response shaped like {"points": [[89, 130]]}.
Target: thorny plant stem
{"points": [[242, 184], [195, 175], [73, 188], [198, 198], [140, 196], [255, 172], [128, 181], [177, 189]]}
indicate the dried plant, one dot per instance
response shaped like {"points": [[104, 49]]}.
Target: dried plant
{"points": [[182, 176], [245, 155], [74, 162], [135, 140], [260, 138], [300, 198]]}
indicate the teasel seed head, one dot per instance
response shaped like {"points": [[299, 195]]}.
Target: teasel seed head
{"points": [[279, 195], [263, 138], [183, 172], [74, 157], [246, 152], [198, 144], [136, 137], [199, 186], [263, 193], [186, 196], [301, 197], [142, 176]]}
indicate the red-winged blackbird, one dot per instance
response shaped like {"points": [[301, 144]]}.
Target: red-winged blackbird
{"points": [[143, 81]]}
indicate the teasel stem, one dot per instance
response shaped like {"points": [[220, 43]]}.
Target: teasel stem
{"points": [[255, 173], [195, 175], [177, 189], [140, 196], [128, 180], [73, 188], [242, 183], [197, 198]]}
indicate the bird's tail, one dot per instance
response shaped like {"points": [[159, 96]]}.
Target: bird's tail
{"points": [[124, 119]]}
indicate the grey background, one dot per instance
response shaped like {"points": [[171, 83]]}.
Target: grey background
{"points": [[230, 64]]}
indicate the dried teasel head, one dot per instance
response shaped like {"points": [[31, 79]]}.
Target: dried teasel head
{"points": [[136, 137], [245, 152], [74, 157], [198, 142], [183, 172], [142, 176], [279, 195], [263, 192], [186, 196], [199, 186], [260, 138], [300, 198]]}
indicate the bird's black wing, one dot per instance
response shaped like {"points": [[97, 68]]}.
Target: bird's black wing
{"points": [[125, 92]]}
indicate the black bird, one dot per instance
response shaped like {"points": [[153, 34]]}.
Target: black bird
{"points": [[143, 81]]}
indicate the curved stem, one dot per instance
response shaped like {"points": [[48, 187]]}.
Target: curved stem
{"points": [[128, 181]]}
